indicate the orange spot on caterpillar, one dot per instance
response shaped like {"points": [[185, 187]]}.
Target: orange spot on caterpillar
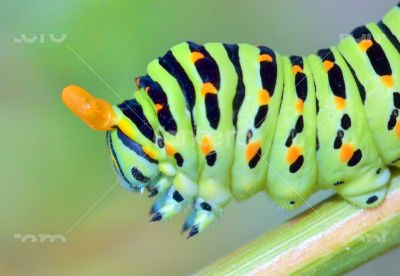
{"points": [[397, 129], [297, 69], [263, 97], [252, 149], [138, 82], [388, 81], [158, 107], [292, 154], [340, 103], [206, 146], [299, 105], [346, 152], [169, 149], [365, 44], [265, 57], [149, 152], [208, 87], [328, 65], [195, 56], [147, 89]]}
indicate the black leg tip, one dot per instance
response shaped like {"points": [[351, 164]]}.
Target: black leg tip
{"points": [[194, 231], [153, 193], [157, 217]]}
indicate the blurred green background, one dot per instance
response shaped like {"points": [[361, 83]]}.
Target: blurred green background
{"points": [[56, 175]]}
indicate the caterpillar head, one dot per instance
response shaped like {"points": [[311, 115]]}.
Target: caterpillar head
{"points": [[133, 157], [134, 168]]}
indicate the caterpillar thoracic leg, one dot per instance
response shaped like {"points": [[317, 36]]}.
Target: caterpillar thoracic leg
{"points": [[218, 121], [172, 204]]}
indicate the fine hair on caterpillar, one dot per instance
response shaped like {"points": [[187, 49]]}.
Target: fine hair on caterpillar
{"points": [[213, 122]]}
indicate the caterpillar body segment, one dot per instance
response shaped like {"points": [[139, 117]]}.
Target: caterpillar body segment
{"points": [[215, 129], [214, 78], [203, 88], [219, 121], [292, 176], [256, 121], [176, 128], [375, 60], [348, 143]]}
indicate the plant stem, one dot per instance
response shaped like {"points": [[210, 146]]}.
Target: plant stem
{"points": [[332, 238]]}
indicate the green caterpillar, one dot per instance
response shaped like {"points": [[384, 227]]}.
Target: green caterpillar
{"points": [[213, 122]]}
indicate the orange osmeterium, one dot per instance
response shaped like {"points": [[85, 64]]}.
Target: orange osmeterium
{"points": [[96, 113]]}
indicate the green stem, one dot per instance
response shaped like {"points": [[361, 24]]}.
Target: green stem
{"points": [[332, 238]]}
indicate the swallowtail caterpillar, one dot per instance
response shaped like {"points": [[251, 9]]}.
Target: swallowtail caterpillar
{"points": [[213, 122]]}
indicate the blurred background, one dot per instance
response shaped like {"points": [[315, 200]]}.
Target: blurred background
{"points": [[55, 173]]}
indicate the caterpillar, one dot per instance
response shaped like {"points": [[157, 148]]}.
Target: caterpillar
{"points": [[215, 122]]}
